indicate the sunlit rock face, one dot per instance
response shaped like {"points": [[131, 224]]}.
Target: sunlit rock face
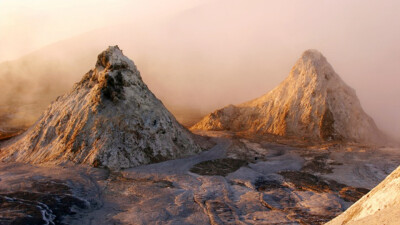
{"points": [[312, 102], [109, 119], [379, 206]]}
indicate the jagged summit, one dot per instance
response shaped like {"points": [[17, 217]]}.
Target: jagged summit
{"points": [[108, 74], [109, 119], [113, 56], [314, 63], [312, 102]]}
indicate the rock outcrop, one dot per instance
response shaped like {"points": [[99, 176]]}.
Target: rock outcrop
{"points": [[110, 119], [380, 206], [312, 102]]}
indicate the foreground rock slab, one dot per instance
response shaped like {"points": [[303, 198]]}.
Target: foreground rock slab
{"points": [[380, 206], [42, 195]]}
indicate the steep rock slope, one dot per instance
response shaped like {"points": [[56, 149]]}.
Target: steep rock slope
{"points": [[110, 119], [312, 102], [380, 206]]}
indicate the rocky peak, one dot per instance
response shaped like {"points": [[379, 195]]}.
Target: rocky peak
{"points": [[110, 119], [112, 74], [313, 65], [313, 102], [313, 55], [113, 58]]}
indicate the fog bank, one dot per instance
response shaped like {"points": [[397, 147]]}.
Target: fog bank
{"points": [[228, 52]]}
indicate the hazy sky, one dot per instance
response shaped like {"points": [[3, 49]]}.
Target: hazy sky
{"points": [[207, 54], [27, 25]]}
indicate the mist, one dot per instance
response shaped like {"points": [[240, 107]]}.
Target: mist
{"points": [[200, 57]]}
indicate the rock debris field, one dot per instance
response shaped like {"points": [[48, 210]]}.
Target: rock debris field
{"points": [[238, 181]]}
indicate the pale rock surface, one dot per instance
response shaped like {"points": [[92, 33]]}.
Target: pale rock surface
{"points": [[380, 206], [109, 119], [312, 102]]}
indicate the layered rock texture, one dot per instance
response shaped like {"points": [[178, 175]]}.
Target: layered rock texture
{"points": [[109, 119], [380, 206], [312, 102]]}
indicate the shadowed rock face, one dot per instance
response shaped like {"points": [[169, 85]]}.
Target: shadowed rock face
{"points": [[313, 102], [221, 167], [327, 130], [110, 119]]}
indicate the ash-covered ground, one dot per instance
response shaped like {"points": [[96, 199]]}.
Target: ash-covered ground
{"points": [[238, 181]]}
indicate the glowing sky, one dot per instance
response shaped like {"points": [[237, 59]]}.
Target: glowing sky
{"points": [[207, 54], [26, 25]]}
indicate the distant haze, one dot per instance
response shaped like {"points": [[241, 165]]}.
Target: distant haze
{"points": [[203, 55]]}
